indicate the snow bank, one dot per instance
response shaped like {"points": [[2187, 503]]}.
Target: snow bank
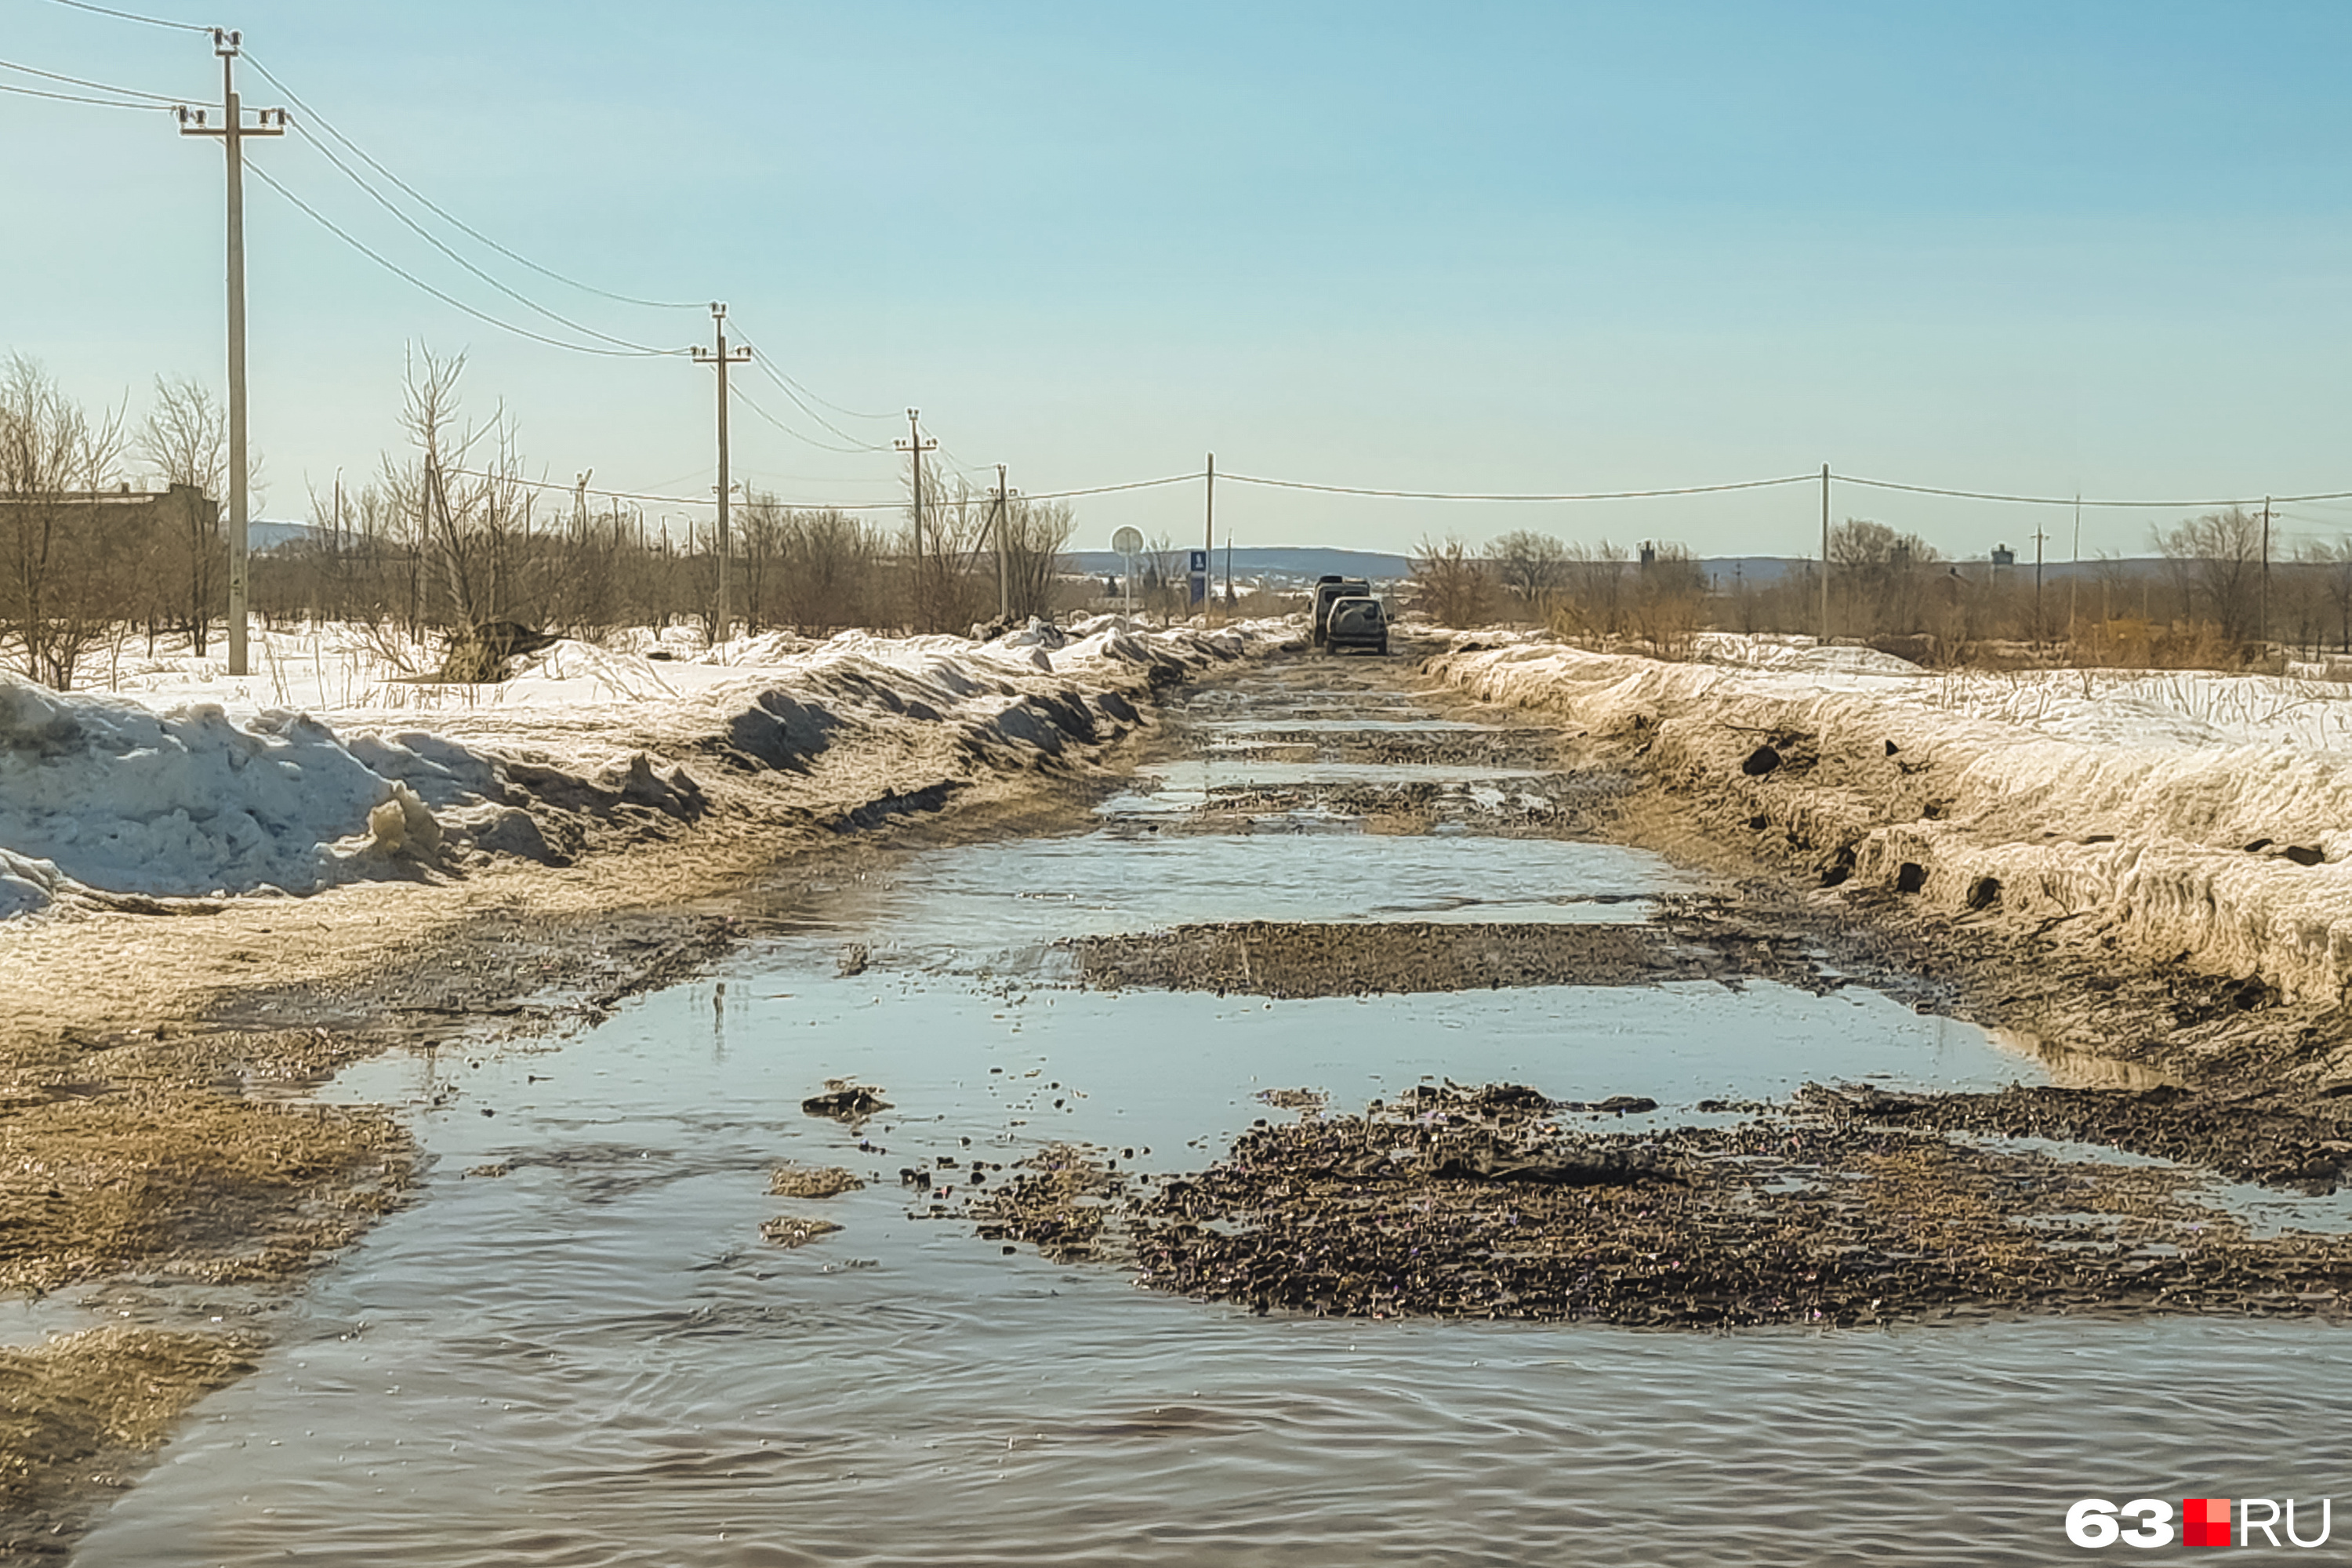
{"points": [[184, 802], [2180, 809], [190, 784]]}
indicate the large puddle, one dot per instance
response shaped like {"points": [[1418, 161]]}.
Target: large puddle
{"points": [[583, 1352]]}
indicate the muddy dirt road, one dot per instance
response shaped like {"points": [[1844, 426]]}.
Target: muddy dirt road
{"points": [[1312, 1133]]}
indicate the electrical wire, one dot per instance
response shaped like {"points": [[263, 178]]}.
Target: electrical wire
{"points": [[737, 393], [829, 403], [78, 98], [428, 237], [397, 271], [2082, 501], [783, 384], [1464, 495], [446, 216], [162, 99], [134, 17]]}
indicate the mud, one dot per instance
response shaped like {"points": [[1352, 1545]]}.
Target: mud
{"points": [[1486, 1204], [79, 1413], [1291, 959], [811, 1182]]}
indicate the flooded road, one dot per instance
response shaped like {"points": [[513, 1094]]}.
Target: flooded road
{"points": [[577, 1348]]}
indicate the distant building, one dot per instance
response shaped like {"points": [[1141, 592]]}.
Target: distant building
{"points": [[2002, 555], [176, 511]]}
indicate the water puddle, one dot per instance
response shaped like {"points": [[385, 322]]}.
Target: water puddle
{"points": [[578, 1348]]}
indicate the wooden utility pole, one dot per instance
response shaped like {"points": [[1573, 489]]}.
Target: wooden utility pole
{"points": [[722, 356], [233, 131], [1825, 555]]}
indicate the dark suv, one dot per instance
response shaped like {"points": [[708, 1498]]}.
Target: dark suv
{"points": [[1329, 590], [1357, 622]]}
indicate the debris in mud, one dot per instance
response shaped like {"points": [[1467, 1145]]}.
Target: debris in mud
{"points": [[811, 1182], [845, 1102], [1058, 1199], [1297, 959], [1475, 1202], [795, 1230], [496, 1170], [2302, 1148], [853, 961], [1311, 1101], [1615, 1105]]}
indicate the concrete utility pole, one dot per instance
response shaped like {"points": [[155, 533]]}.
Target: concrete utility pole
{"points": [[2038, 537], [1003, 557], [233, 131], [1825, 555], [722, 356], [2266, 572], [2075, 573], [1209, 540], [915, 446]]}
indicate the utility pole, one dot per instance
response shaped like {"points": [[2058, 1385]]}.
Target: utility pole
{"points": [[1209, 538], [1825, 555], [2075, 574], [1003, 557], [722, 356], [915, 446], [233, 131], [2038, 537], [2266, 573]]}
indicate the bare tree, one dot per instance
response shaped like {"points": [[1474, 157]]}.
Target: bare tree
{"points": [[184, 439], [1533, 566], [2218, 560], [1450, 586], [1035, 534], [1669, 599], [1880, 578], [1592, 603], [64, 550]]}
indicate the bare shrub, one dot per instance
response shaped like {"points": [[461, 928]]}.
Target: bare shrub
{"points": [[1450, 586]]}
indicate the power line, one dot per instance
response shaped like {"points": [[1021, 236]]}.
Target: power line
{"points": [[784, 384], [422, 233], [134, 17], [162, 99], [829, 403], [809, 505], [745, 398], [78, 98], [446, 216], [397, 271], [2082, 501], [1465, 495]]}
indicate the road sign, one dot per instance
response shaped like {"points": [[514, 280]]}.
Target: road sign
{"points": [[1128, 542]]}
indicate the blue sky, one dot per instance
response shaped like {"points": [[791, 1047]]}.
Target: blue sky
{"points": [[1490, 247]]}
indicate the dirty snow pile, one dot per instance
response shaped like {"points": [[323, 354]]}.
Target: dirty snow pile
{"points": [[2183, 813], [188, 783], [104, 792]]}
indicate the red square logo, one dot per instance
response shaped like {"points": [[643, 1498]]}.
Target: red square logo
{"points": [[2205, 1521]]}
